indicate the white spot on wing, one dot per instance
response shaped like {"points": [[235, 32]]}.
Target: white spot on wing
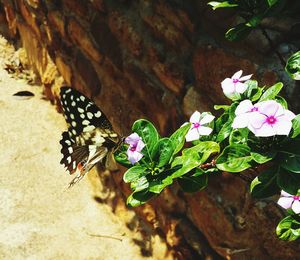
{"points": [[88, 128], [74, 132], [82, 116], [80, 110], [73, 104], [85, 122], [98, 114], [89, 115], [72, 116], [69, 159], [73, 123], [70, 149], [82, 98]]}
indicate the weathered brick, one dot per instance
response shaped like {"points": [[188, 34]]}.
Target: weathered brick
{"points": [[212, 66], [125, 33], [85, 69], [57, 21], [106, 41], [170, 76], [80, 36]]}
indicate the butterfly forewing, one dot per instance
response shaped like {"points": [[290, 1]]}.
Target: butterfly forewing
{"points": [[89, 137]]}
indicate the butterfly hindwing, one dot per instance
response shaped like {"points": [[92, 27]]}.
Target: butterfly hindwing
{"points": [[90, 137]]}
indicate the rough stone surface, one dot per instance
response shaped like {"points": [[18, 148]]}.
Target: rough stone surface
{"points": [[160, 60]]}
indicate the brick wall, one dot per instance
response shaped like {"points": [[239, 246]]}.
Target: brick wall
{"points": [[161, 60]]}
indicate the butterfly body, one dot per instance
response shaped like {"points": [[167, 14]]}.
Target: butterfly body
{"points": [[89, 139]]}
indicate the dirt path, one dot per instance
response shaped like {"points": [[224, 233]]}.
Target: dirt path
{"points": [[38, 218]]}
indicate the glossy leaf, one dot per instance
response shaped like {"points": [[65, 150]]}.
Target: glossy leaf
{"points": [[134, 173], [234, 158], [296, 126], [157, 186], [147, 132], [291, 163], [162, 152], [139, 198], [178, 137], [288, 228], [194, 183], [271, 92], [263, 157], [265, 184], [293, 66], [239, 32], [288, 181], [239, 136], [224, 4]]}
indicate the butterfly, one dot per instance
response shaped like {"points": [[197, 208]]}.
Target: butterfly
{"points": [[89, 139]]}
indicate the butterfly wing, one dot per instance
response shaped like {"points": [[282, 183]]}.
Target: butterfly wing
{"points": [[89, 137]]}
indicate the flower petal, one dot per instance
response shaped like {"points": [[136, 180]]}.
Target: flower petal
{"points": [[132, 139], [192, 135], [240, 87], [247, 77], [243, 107], [268, 108], [237, 75], [285, 202], [195, 117], [204, 130], [206, 119], [282, 126], [285, 194], [296, 206], [241, 121], [140, 145], [265, 131], [227, 86], [257, 119], [134, 157], [289, 114]]}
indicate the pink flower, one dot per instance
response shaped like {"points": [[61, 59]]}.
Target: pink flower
{"points": [[270, 119], [197, 128], [136, 145], [234, 86], [288, 201]]}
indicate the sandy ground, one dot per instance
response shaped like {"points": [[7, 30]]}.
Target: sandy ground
{"points": [[39, 218]]}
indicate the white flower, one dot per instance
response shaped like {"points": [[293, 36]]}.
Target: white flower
{"points": [[288, 201], [197, 128], [234, 86], [242, 113]]}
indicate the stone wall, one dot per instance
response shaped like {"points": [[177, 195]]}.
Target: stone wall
{"points": [[162, 60]]}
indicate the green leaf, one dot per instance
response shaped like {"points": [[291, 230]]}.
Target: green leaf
{"points": [[263, 157], [265, 185], [288, 228], [225, 131], [239, 136], [121, 158], [293, 66], [224, 4], [272, 2], [198, 181], [157, 186], [288, 181], [282, 102], [271, 92], [178, 137], [234, 158], [239, 32], [224, 107], [296, 126], [193, 157], [134, 173], [139, 184], [291, 147], [162, 152], [147, 132], [291, 163], [139, 198]]}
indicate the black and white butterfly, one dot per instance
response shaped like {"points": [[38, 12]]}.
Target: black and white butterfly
{"points": [[89, 139]]}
